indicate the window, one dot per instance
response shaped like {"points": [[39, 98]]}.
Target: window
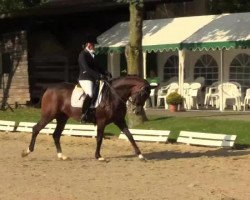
{"points": [[206, 67], [171, 67], [240, 70]]}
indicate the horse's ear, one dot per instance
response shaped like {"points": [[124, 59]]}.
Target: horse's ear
{"points": [[148, 86], [145, 87]]}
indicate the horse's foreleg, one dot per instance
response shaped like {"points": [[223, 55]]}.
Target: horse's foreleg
{"points": [[124, 128], [100, 130], [36, 129], [61, 121]]}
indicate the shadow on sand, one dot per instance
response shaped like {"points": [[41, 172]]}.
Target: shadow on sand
{"points": [[167, 155]]}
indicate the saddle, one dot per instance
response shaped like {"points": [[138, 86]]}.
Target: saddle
{"points": [[78, 96]]}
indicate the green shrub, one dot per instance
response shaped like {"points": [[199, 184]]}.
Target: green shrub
{"points": [[174, 98]]}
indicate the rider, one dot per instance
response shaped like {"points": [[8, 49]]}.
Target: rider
{"points": [[90, 74]]}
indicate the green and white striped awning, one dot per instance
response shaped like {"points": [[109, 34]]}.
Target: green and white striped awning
{"points": [[194, 33], [225, 31]]}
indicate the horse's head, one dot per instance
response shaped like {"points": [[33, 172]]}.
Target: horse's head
{"points": [[138, 97], [132, 88]]}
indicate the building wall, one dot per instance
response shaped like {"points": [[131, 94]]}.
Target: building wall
{"points": [[14, 83]]}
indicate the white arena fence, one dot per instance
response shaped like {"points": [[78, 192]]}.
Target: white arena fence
{"points": [[186, 137]]}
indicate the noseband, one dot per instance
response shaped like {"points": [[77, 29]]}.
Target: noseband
{"points": [[143, 90]]}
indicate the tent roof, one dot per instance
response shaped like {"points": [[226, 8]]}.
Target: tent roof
{"points": [[225, 31], [198, 32]]}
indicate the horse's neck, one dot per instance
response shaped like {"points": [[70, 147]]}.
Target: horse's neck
{"points": [[122, 92], [122, 87]]}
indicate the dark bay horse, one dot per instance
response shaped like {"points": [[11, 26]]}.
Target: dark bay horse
{"points": [[56, 104]]}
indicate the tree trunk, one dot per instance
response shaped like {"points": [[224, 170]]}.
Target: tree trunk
{"points": [[134, 53], [135, 38]]}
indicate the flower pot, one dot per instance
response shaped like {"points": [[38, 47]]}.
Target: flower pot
{"points": [[173, 108]]}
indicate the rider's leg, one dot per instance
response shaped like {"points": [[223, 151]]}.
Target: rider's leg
{"points": [[87, 85]]}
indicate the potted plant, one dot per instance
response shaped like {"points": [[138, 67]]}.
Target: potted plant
{"points": [[173, 100]]}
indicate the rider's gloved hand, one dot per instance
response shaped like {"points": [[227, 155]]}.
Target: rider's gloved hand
{"points": [[102, 77], [108, 75]]}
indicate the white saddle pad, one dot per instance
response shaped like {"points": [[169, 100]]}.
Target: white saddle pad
{"points": [[78, 96]]}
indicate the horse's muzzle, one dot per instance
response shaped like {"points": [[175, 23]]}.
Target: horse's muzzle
{"points": [[137, 110]]}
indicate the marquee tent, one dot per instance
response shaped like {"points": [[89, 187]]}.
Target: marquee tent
{"points": [[209, 32], [158, 35]]}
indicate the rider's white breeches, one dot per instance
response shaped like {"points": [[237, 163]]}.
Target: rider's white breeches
{"points": [[87, 86]]}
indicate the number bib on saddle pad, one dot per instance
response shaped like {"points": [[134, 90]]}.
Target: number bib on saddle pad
{"points": [[78, 96]]}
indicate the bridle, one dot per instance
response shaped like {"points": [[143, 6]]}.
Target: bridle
{"points": [[143, 90]]}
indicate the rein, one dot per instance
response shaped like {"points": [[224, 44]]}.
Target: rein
{"points": [[114, 92], [117, 95]]}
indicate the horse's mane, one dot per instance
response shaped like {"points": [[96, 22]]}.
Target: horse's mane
{"points": [[129, 76], [107, 93], [122, 77]]}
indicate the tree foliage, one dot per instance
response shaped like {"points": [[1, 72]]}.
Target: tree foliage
{"points": [[8, 6], [231, 6]]}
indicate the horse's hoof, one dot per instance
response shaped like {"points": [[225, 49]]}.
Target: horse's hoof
{"points": [[62, 157], [101, 159], [24, 153], [141, 157], [65, 158]]}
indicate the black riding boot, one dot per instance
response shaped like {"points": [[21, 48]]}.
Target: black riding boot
{"points": [[85, 108]]}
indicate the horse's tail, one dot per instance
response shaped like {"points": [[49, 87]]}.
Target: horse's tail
{"points": [[38, 102]]}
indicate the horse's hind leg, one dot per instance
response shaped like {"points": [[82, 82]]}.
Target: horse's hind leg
{"points": [[36, 129], [61, 121]]}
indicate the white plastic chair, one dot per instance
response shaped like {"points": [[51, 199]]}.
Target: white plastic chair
{"points": [[164, 91], [161, 94], [210, 94], [153, 93], [193, 95], [237, 84], [229, 91], [200, 80], [246, 99]]}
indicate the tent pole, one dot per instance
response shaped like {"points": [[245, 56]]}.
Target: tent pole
{"points": [[144, 65], [111, 63], [182, 54], [221, 78], [114, 64]]}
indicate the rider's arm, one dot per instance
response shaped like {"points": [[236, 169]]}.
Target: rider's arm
{"points": [[85, 67]]}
